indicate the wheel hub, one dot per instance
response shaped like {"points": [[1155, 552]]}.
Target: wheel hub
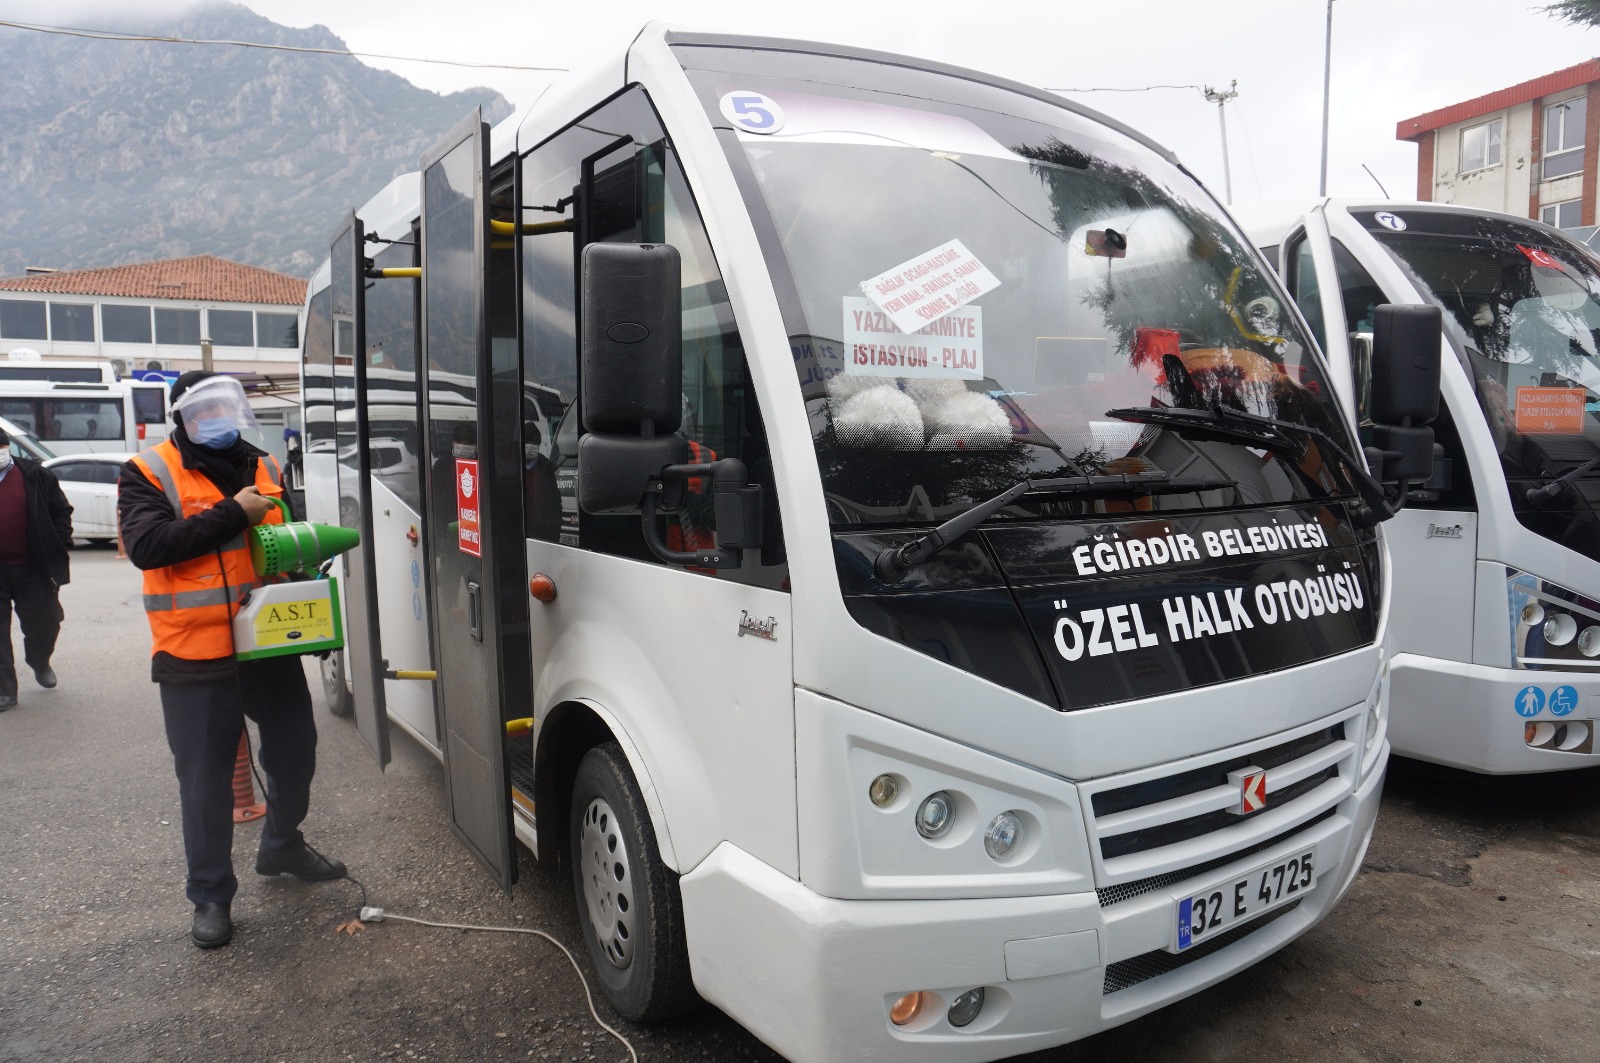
{"points": [[607, 882]]}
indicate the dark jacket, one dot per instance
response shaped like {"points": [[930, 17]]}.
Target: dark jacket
{"points": [[155, 537], [49, 518]]}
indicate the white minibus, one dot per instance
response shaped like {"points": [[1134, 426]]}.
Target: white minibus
{"points": [[1497, 556], [835, 506]]}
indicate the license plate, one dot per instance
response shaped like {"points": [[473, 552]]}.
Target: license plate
{"points": [[1206, 913]]}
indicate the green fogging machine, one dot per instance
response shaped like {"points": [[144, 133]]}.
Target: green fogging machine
{"points": [[299, 616]]}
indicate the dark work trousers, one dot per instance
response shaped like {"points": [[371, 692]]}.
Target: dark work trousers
{"points": [[203, 724], [33, 595]]}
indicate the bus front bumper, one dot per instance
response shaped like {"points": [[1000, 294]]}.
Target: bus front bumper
{"points": [[815, 977]]}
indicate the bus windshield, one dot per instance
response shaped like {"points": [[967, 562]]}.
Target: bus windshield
{"points": [[980, 285], [1522, 305]]}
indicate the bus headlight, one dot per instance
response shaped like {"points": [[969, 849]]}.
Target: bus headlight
{"points": [[1552, 627], [1003, 836], [935, 815]]}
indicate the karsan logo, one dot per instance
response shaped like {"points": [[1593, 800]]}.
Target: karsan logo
{"points": [[1443, 531], [761, 629]]}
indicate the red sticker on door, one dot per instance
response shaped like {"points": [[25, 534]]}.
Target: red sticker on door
{"points": [[467, 536]]}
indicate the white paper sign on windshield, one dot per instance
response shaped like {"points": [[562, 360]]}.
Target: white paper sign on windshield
{"points": [[920, 291], [950, 348]]}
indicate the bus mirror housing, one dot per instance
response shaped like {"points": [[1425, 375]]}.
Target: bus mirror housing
{"points": [[1405, 391], [632, 339]]}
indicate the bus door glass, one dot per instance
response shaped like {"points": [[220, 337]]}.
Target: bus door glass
{"points": [[347, 285], [455, 344]]}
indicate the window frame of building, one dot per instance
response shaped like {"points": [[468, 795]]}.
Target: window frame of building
{"points": [[13, 327], [1550, 213], [179, 318], [271, 334], [67, 321], [1493, 147], [223, 328], [1568, 156], [115, 317]]}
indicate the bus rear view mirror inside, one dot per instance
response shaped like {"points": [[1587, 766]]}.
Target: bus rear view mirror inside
{"points": [[1405, 391], [631, 458]]}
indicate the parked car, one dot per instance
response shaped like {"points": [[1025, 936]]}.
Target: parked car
{"points": [[90, 484], [23, 444]]}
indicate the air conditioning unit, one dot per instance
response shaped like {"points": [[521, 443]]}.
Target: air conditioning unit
{"points": [[153, 364], [119, 366]]}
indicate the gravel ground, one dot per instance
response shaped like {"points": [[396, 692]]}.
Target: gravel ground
{"points": [[1470, 934]]}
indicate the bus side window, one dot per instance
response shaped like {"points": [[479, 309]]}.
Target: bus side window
{"points": [[1305, 288], [638, 193]]}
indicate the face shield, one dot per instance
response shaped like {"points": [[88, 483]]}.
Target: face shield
{"points": [[215, 412]]}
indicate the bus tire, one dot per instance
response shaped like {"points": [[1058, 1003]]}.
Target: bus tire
{"points": [[334, 691], [628, 900]]}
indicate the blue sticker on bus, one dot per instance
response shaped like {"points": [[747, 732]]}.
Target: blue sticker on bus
{"points": [[416, 574], [1529, 702], [416, 604], [1563, 700]]}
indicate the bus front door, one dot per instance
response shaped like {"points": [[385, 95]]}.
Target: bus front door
{"points": [[459, 508]]}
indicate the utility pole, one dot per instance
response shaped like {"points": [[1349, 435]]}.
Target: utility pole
{"points": [[1327, 74], [205, 354], [1221, 100]]}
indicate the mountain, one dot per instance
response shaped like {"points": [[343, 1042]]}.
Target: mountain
{"points": [[114, 152]]}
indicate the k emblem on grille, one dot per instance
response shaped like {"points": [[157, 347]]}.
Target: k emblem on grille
{"points": [[1251, 786]]}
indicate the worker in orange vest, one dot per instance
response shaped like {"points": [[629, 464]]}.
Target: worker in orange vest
{"points": [[184, 507]]}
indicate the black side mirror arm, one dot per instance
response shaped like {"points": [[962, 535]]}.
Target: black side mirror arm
{"points": [[736, 504]]}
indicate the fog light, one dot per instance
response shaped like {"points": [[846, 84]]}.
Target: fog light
{"points": [[1533, 614], [1559, 628], [1589, 641], [966, 1007], [1002, 837], [907, 1008], [1539, 734], [936, 815], [884, 790], [1575, 739]]}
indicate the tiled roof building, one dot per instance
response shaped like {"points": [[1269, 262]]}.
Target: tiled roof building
{"points": [[199, 277]]}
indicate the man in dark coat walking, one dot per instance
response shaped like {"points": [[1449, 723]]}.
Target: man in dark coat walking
{"points": [[35, 533]]}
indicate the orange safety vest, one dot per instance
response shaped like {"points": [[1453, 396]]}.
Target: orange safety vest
{"points": [[190, 605]]}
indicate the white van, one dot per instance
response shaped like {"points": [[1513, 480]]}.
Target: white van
{"points": [[1497, 556], [951, 629]]}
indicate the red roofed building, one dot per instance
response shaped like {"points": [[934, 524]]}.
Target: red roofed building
{"points": [[154, 315], [1531, 149]]}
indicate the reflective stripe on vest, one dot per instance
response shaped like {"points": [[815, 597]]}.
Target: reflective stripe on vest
{"points": [[190, 605]]}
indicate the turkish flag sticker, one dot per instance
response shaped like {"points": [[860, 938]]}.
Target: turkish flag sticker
{"points": [[1542, 259]]}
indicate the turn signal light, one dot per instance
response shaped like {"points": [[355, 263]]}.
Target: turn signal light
{"points": [[542, 587], [907, 1007]]}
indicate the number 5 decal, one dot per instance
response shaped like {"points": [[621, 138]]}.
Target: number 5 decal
{"points": [[752, 112]]}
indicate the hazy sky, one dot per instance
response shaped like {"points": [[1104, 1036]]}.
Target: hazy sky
{"points": [[1392, 59]]}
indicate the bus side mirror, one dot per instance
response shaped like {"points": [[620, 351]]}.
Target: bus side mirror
{"points": [[1405, 391], [630, 392]]}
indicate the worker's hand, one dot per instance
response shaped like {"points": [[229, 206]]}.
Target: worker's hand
{"points": [[254, 502]]}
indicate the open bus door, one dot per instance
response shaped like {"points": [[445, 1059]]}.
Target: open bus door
{"points": [[459, 443], [362, 653]]}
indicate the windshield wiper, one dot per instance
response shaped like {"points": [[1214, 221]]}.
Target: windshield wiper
{"points": [[1538, 496], [895, 562], [1227, 425]]}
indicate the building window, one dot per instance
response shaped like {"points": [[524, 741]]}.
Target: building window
{"points": [[1568, 215], [72, 322], [179, 328], [278, 330], [120, 323], [1563, 137], [231, 328], [22, 319], [1480, 146]]}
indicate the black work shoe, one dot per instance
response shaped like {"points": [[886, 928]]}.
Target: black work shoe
{"points": [[46, 677], [303, 863], [213, 927], [7, 701]]}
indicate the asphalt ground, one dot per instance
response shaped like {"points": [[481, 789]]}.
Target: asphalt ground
{"points": [[1470, 935]]}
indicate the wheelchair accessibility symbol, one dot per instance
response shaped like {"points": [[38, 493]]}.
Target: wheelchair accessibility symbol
{"points": [[1563, 700], [1529, 702]]}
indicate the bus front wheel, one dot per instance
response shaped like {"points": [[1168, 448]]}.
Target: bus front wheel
{"points": [[334, 692], [628, 900]]}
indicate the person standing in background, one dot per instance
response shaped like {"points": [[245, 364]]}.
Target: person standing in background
{"points": [[35, 534]]}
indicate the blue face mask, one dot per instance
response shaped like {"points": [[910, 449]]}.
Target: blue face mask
{"points": [[218, 433]]}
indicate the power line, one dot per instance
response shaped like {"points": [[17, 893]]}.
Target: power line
{"points": [[108, 35]]}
